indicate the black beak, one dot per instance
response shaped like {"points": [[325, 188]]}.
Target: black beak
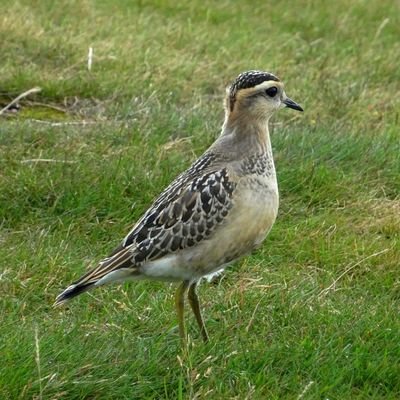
{"points": [[292, 104]]}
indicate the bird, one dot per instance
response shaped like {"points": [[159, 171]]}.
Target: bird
{"points": [[218, 210]]}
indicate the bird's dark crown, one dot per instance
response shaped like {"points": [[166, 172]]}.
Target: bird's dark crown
{"points": [[248, 80]]}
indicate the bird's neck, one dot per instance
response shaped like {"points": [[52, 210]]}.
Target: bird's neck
{"points": [[250, 135]]}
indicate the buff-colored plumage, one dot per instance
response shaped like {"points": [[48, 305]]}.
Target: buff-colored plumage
{"points": [[218, 210]]}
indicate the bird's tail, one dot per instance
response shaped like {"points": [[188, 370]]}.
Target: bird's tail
{"points": [[118, 267], [71, 291]]}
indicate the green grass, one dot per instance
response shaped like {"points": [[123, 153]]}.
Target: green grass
{"points": [[314, 314]]}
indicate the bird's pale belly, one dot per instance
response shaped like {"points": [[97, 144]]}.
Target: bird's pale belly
{"points": [[248, 224]]}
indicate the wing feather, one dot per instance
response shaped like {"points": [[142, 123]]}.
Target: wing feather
{"points": [[190, 217], [186, 213]]}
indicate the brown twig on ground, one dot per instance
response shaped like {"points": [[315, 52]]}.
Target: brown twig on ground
{"points": [[51, 106]]}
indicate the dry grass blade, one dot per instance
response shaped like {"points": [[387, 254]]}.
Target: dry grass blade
{"points": [[18, 98], [347, 270], [37, 359], [46, 160], [83, 123]]}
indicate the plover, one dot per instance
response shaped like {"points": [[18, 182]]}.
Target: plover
{"points": [[221, 208]]}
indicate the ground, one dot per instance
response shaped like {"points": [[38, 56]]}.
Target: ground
{"points": [[313, 314]]}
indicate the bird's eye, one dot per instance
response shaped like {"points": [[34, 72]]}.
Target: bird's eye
{"points": [[272, 91]]}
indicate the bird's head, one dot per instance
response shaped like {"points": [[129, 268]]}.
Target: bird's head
{"points": [[257, 94]]}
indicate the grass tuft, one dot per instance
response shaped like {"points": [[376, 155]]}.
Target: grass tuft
{"points": [[313, 313]]}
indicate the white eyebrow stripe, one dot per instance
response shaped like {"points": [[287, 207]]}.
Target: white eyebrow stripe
{"points": [[267, 84]]}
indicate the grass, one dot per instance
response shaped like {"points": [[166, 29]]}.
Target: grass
{"points": [[314, 313]]}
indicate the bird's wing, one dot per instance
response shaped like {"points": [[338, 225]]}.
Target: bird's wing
{"points": [[185, 214]]}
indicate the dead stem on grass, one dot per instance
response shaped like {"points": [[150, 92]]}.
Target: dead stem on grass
{"points": [[46, 160], [325, 291], [37, 359], [18, 98]]}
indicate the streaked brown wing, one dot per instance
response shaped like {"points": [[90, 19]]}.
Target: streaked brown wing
{"points": [[172, 225], [192, 216]]}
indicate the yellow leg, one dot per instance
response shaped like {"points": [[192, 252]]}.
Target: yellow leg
{"points": [[180, 304], [194, 303]]}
